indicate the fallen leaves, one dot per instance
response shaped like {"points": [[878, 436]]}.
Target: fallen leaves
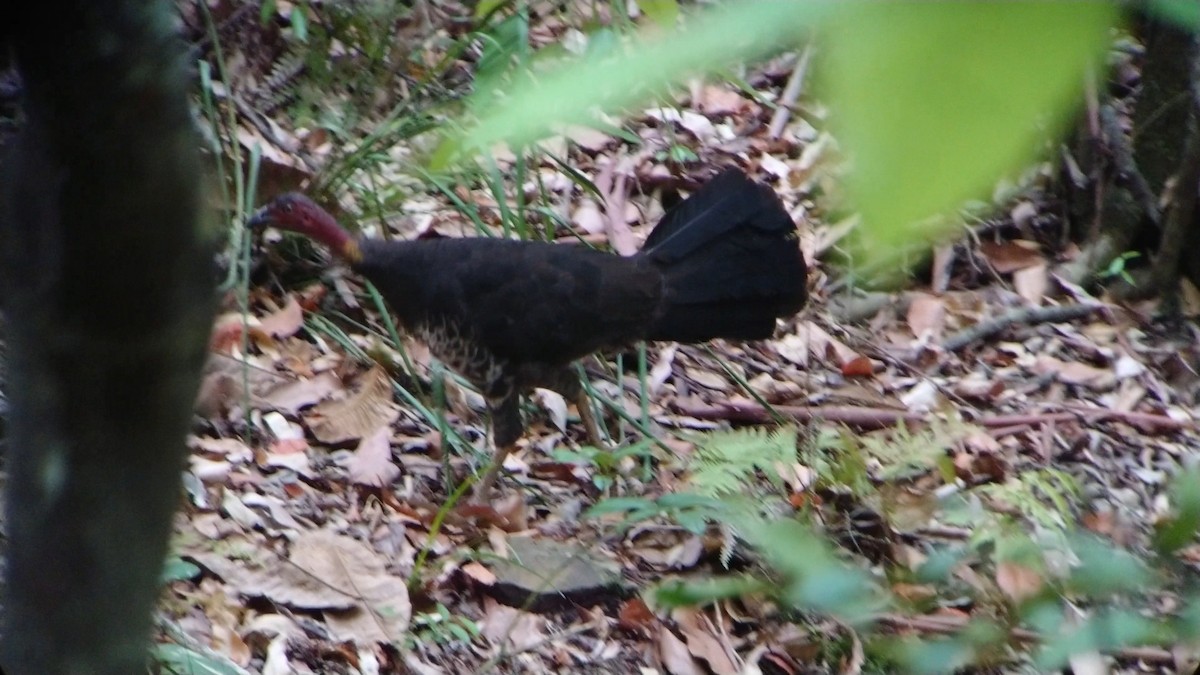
{"points": [[361, 413], [371, 464]]}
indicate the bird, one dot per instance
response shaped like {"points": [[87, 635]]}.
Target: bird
{"points": [[510, 316]]}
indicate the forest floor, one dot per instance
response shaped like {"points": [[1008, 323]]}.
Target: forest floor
{"points": [[988, 409]]}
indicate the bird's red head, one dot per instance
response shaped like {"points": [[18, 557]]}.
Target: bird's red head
{"points": [[293, 212]]}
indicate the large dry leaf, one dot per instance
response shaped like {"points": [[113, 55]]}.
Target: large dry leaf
{"points": [[504, 625], [825, 347], [330, 573], [1074, 372], [704, 643], [290, 396], [285, 322], [371, 463], [675, 655], [1031, 283], [1019, 582], [1010, 256], [379, 610], [357, 415], [926, 315]]}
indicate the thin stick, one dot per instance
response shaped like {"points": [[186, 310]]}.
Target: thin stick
{"points": [[484, 486], [790, 94], [1024, 315]]}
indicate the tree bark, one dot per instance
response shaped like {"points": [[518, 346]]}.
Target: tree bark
{"points": [[107, 286]]}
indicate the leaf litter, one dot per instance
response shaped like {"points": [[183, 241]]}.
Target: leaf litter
{"points": [[323, 494]]}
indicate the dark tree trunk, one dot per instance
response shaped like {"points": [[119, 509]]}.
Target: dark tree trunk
{"points": [[108, 300]]}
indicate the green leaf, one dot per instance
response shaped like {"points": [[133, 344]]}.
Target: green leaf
{"points": [[300, 22], [662, 12], [933, 102], [690, 593], [570, 93], [1184, 13], [178, 569], [177, 659], [486, 7], [618, 505], [1179, 531]]}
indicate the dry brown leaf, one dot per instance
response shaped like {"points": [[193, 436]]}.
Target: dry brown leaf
{"points": [[371, 463], [859, 366], [357, 415], [707, 379], [554, 404], [504, 625], [720, 101], [588, 217], [775, 390], [634, 615], [922, 397], [661, 371], [234, 449], [704, 643], [926, 315], [290, 396], [1010, 256], [592, 140], [1018, 581], [824, 346], [620, 235], [379, 604], [1023, 214], [286, 322], [793, 347], [1074, 372], [675, 655], [226, 336], [915, 593], [943, 259], [479, 573], [978, 388], [1032, 282]]}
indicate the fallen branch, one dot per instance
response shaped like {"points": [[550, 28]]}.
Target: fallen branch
{"points": [[791, 92], [883, 418], [747, 411], [1022, 316]]}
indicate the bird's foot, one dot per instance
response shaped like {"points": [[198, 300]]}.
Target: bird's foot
{"points": [[482, 492]]}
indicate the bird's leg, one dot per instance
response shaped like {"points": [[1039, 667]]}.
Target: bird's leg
{"points": [[588, 417], [570, 385], [506, 429], [484, 487]]}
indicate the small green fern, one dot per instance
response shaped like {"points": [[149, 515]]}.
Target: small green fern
{"points": [[727, 461], [1044, 496]]}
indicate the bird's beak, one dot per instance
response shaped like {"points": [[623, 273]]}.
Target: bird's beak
{"points": [[260, 219]]}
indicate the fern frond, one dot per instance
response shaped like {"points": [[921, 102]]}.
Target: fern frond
{"points": [[726, 461]]}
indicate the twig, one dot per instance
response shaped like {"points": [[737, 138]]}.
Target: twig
{"points": [[882, 418], [259, 122], [1145, 421], [862, 418], [791, 92], [1024, 315]]}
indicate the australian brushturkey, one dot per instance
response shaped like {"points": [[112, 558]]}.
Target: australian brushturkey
{"points": [[512, 315]]}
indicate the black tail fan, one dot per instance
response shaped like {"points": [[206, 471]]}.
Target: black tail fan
{"points": [[732, 263]]}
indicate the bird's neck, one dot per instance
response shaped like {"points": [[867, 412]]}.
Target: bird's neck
{"points": [[326, 230]]}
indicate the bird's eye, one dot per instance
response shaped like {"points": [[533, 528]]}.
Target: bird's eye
{"points": [[286, 207]]}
